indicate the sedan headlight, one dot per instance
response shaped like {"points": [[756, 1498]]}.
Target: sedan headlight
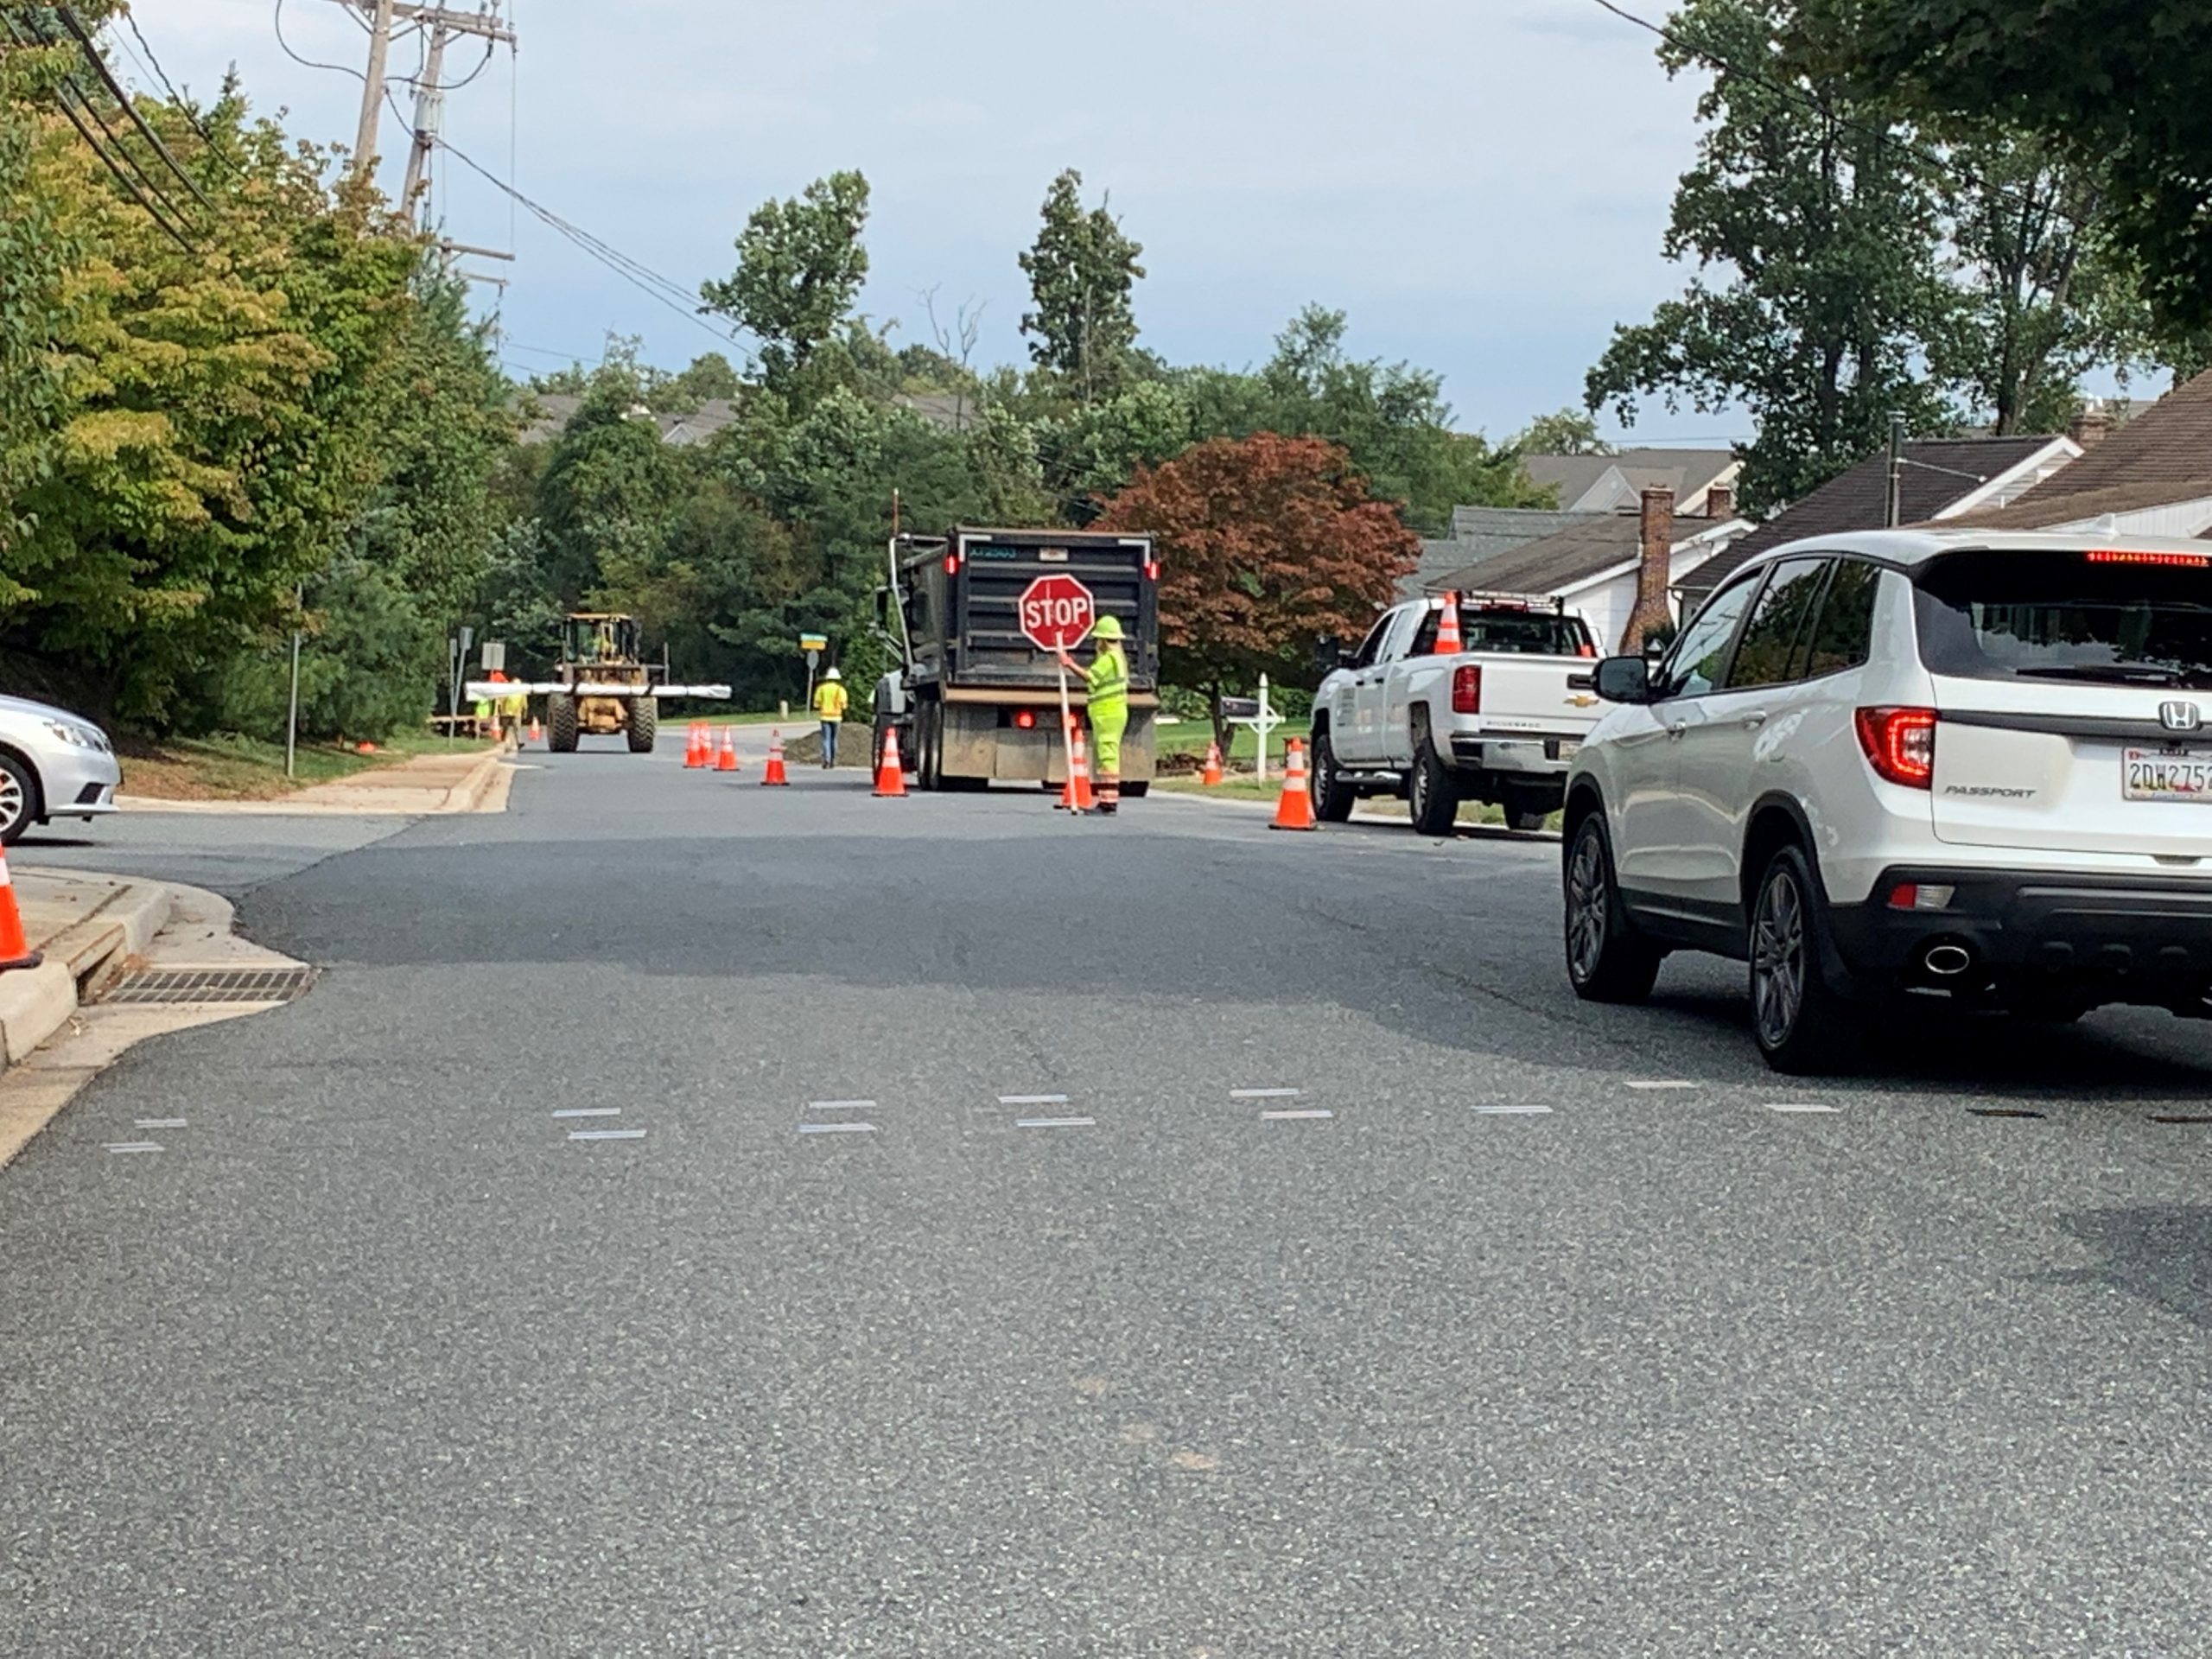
{"points": [[78, 737]]}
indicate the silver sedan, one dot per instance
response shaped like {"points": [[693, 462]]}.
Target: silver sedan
{"points": [[52, 765]]}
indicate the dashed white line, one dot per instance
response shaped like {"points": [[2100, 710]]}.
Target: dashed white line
{"points": [[1263, 1094], [1033, 1099], [606, 1135], [1801, 1106], [589, 1111], [840, 1105], [1280, 1117], [1055, 1123], [837, 1128], [132, 1145], [157, 1123], [1660, 1082], [1512, 1111]]}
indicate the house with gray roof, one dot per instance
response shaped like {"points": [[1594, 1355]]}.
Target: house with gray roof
{"points": [[2150, 477], [1613, 483], [1478, 533], [1943, 480]]}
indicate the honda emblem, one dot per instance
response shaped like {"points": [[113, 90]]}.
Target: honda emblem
{"points": [[2180, 716]]}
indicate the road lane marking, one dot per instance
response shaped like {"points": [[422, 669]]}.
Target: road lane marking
{"points": [[157, 1123], [1263, 1094], [1512, 1111], [1033, 1099], [590, 1111], [1280, 1117], [132, 1145], [837, 1128], [1660, 1082], [840, 1105], [606, 1135], [1801, 1106], [1054, 1122], [2001, 1111]]}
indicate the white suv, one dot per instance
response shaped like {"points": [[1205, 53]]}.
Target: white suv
{"points": [[1904, 760]]}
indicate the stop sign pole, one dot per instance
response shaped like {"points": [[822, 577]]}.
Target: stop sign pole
{"points": [[1055, 613]]}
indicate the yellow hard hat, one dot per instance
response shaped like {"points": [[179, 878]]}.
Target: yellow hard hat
{"points": [[1106, 627]]}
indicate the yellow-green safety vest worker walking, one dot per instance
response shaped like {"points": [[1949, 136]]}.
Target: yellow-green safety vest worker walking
{"points": [[829, 708], [1106, 693]]}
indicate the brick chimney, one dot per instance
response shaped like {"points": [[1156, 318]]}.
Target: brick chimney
{"points": [[2089, 428], [1657, 538], [1720, 501]]}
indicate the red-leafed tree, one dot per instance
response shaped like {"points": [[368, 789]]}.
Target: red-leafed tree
{"points": [[1265, 543]]}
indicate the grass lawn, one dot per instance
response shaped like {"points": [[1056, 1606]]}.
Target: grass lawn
{"points": [[1192, 736], [229, 768]]}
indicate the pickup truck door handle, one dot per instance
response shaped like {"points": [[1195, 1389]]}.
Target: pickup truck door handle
{"points": [[1756, 719], [1674, 732]]}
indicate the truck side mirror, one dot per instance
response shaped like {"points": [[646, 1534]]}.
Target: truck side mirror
{"points": [[883, 609], [1327, 654]]}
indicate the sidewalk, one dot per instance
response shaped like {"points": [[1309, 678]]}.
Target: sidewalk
{"points": [[473, 780]]}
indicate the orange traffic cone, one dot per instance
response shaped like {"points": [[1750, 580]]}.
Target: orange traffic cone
{"points": [[891, 776], [695, 747], [1213, 773], [1447, 627], [1295, 810], [1077, 797], [496, 734], [727, 762], [15, 950], [537, 731], [775, 772]]}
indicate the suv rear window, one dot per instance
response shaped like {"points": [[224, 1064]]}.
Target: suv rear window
{"points": [[2104, 616], [1514, 632]]}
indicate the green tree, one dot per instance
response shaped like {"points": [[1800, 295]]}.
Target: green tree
{"points": [[2115, 87], [800, 265], [1815, 234], [1082, 274], [1569, 432]]}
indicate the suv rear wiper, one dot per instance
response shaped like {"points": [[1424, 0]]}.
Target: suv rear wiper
{"points": [[2126, 673]]}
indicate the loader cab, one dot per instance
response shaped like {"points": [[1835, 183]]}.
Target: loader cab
{"points": [[600, 637]]}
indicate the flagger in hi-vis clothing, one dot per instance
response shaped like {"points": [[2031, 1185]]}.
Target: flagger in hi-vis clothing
{"points": [[1106, 695]]}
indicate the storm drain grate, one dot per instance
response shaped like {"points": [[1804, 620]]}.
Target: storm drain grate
{"points": [[212, 985]]}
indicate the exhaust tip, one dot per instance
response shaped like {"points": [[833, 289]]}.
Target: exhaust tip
{"points": [[1947, 961]]}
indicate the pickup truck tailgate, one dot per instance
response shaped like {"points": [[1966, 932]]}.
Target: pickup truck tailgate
{"points": [[1528, 696]]}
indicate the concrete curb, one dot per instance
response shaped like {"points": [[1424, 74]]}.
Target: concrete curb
{"points": [[479, 791], [36, 1002]]}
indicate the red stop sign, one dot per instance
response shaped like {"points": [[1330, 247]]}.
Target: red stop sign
{"points": [[1055, 612]]}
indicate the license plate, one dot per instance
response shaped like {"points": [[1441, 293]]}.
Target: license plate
{"points": [[1562, 748], [2177, 774]]}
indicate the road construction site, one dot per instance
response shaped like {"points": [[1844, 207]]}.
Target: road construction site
{"points": [[683, 1213]]}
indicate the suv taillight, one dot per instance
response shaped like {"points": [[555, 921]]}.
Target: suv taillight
{"points": [[1900, 744], [1466, 689]]}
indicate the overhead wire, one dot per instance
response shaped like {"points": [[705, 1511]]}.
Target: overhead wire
{"points": [[92, 54]]}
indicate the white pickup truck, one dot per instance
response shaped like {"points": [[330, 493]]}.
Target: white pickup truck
{"points": [[1498, 722]]}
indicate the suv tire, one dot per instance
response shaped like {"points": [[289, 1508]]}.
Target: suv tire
{"points": [[1334, 798], [20, 803], [1802, 1028], [1607, 961], [1432, 792]]}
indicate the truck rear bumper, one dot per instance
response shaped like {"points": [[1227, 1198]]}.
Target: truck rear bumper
{"points": [[1536, 757]]}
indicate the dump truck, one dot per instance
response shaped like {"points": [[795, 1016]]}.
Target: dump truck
{"points": [[974, 698], [601, 686]]}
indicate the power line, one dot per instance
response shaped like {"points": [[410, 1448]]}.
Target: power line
{"points": [[69, 20], [643, 277]]}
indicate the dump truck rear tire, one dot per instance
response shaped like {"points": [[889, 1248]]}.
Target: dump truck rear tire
{"points": [[644, 724], [561, 723]]}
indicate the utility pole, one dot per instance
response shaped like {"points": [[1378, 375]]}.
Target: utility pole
{"points": [[443, 23], [429, 115], [365, 137], [1895, 505]]}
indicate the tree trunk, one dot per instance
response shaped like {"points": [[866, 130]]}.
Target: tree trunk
{"points": [[1220, 720]]}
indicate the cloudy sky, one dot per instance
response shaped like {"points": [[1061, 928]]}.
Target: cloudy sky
{"points": [[1481, 184]]}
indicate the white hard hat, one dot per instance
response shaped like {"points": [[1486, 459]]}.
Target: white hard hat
{"points": [[833, 675]]}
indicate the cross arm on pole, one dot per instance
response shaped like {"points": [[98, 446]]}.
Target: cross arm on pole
{"points": [[459, 22]]}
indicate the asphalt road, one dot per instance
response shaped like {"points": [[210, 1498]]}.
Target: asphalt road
{"points": [[373, 1358]]}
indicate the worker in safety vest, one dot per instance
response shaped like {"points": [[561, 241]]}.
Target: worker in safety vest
{"points": [[829, 708], [1106, 696]]}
